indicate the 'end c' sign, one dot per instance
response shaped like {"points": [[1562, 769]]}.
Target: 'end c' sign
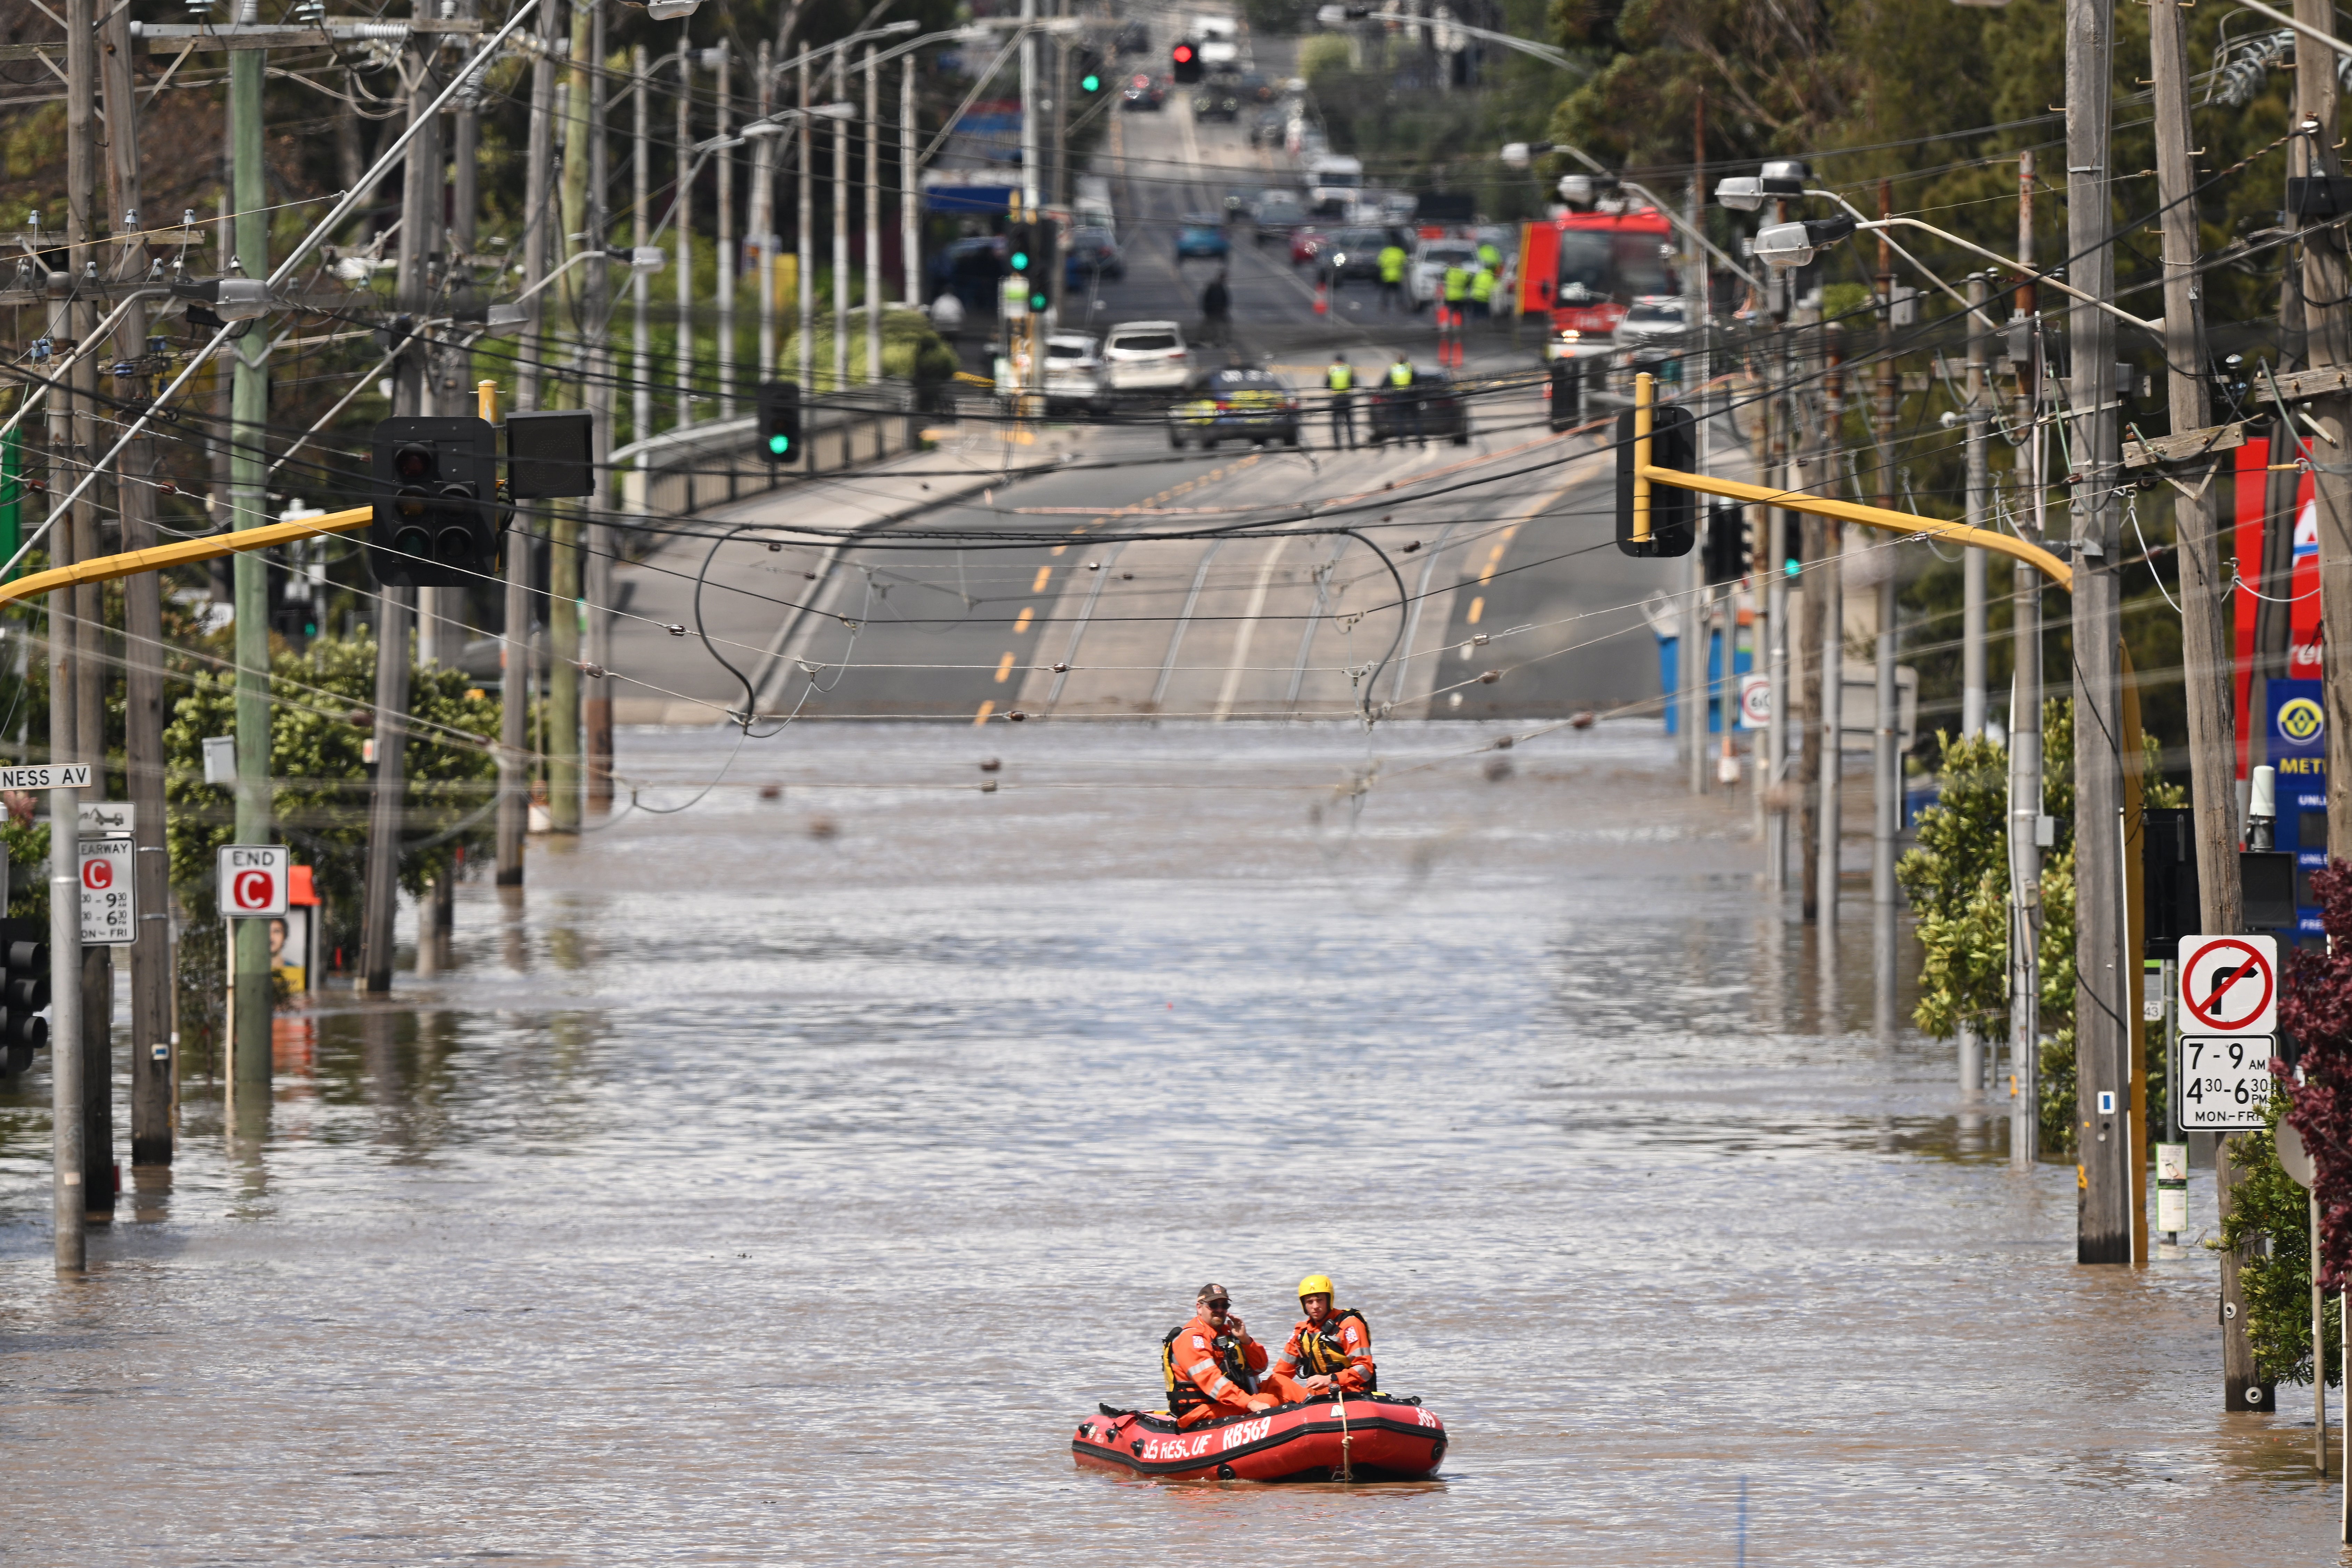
{"points": [[253, 880]]}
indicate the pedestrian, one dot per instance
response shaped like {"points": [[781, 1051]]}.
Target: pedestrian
{"points": [[1216, 310], [1403, 394], [1392, 266], [1482, 293], [1339, 380]]}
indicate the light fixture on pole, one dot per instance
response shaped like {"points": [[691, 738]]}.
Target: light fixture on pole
{"points": [[1794, 244]]}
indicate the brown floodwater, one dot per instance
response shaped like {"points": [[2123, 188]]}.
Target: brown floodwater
{"points": [[785, 1177]]}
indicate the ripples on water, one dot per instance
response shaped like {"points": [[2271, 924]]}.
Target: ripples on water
{"points": [[763, 1195]]}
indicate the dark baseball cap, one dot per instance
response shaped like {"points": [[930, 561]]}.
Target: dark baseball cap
{"points": [[1214, 1293]]}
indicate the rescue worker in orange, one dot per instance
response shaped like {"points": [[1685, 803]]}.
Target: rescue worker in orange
{"points": [[1329, 1352], [1210, 1365]]}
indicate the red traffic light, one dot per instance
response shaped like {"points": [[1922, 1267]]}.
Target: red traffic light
{"points": [[1183, 53]]}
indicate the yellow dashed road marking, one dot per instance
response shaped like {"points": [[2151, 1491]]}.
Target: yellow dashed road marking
{"points": [[1004, 669], [985, 710], [1021, 622], [1478, 608], [1045, 576]]}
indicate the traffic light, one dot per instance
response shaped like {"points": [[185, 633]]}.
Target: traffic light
{"points": [[1029, 250], [780, 420], [435, 492], [1727, 542], [1186, 57], [1674, 511], [23, 991], [550, 453], [1091, 80]]}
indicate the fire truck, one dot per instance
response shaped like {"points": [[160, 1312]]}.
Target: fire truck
{"points": [[1583, 270]]}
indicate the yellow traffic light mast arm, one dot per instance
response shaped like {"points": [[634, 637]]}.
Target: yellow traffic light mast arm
{"points": [[1645, 474], [107, 568]]}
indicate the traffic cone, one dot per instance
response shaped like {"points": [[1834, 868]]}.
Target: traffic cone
{"points": [[1322, 297]]}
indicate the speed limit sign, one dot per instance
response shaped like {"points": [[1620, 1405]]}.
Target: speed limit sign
{"points": [[253, 880], [1755, 701]]}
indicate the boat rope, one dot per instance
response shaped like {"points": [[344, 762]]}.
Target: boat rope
{"points": [[1347, 1470]]}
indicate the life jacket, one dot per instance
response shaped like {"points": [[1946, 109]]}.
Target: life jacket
{"points": [[1182, 1394], [1319, 1350], [1340, 378]]}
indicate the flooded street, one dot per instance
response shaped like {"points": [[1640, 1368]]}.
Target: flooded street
{"points": [[786, 1178]]}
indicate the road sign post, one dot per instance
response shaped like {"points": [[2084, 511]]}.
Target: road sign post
{"points": [[110, 904]]}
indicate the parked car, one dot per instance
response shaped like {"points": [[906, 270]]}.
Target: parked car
{"points": [[1306, 243], [1425, 281], [1147, 356], [1442, 411], [1233, 405], [1203, 236], [1142, 94], [1077, 376], [1354, 256], [1653, 320], [1092, 253]]}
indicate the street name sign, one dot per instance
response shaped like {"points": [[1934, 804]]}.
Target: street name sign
{"points": [[2228, 986], [110, 906], [46, 775], [253, 880]]}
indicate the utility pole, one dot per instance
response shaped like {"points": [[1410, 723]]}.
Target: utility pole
{"points": [[1773, 639], [249, 508], [841, 235], [683, 217], [804, 241], [2327, 325], [1886, 766], [1978, 503], [724, 171], [1832, 652], [596, 570], [763, 210], [2025, 724], [641, 288], [151, 1066], [564, 781], [2109, 1142], [911, 251], [422, 180], [873, 223], [514, 695]]}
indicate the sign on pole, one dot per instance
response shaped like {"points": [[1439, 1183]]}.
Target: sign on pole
{"points": [[253, 880], [99, 819], [2228, 986], [110, 904], [1755, 701], [46, 775]]}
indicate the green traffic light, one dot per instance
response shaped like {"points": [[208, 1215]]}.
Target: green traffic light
{"points": [[1036, 301], [1791, 568], [1090, 82], [1020, 261], [779, 444]]}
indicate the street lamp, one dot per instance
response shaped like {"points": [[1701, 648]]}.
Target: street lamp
{"points": [[1794, 244]]}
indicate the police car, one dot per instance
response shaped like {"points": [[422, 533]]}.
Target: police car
{"points": [[1233, 405]]}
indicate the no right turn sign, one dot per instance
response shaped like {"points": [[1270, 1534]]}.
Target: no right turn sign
{"points": [[2228, 986]]}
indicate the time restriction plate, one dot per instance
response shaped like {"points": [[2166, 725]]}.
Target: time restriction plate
{"points": [[2225, 1082]]}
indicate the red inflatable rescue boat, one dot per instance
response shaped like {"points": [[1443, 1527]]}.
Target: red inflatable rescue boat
{"points": [[1356, 1438]]}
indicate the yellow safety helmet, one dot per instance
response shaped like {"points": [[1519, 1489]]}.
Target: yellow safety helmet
{"points": [[1316, 1285]]}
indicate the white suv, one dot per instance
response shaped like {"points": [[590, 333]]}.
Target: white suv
{"points": [[1147, 356], [1426, 278]]}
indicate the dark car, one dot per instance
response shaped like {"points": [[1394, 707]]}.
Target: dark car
{"points": [[1266, 129], [1142, 94], [974, 271], [1235, 405], [1431, 407], [1216, 103], [1256, 88], [1091, 252], [1353, 255]]}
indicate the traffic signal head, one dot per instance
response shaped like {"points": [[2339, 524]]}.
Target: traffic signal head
{"points": [[23, 991], [436, 484], [1091, 80], [550, 453], [1673, 510], [1186, 59], [780, 420], [1727, 541], [1029, 251]]}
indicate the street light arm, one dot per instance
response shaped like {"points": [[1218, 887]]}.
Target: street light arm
{"points": [[1920, 267], [1950, 238], [1544, 52]]}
